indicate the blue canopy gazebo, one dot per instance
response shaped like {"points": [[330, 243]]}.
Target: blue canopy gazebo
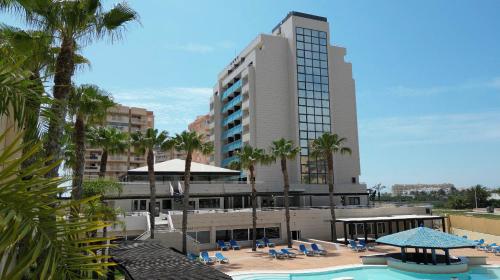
{"points": [[425, 238]]}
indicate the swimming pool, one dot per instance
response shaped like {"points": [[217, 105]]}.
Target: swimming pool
{"points": [[375, 273]]}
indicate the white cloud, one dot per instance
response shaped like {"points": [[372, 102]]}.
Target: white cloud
{"points": [[200, 48], [427, 91], [174, 107], [432, 129]]}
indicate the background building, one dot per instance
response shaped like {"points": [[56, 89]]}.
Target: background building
{"points": [[290, 84], [200, 125], [129, 120], [411, 189]]}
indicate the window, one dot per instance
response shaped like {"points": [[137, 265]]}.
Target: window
{"points": [[354, 200], [209, 203], [381, 228], [142, 205], [240, 234], [201, 236], [224, 235], [273, 232], [166, 204]]}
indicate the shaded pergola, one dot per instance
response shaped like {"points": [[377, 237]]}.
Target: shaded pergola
{"points": [[393, 223], [425, 238]]}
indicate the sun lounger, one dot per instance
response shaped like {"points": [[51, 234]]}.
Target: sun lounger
{"points": [[490, 247], [288, 253], [234, 244], [260, 244], [363, 243], [193, 257], [305, 251], [496, 251], [464, 236], [355, 246], [275, 254], [268, 243], [222, 245], [220, 258], [315, 248], [205, 258], [479, 243]]}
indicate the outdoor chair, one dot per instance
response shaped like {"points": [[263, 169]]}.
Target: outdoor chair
{"points": [[220, 258], [355, 246], [234, 244], [315, 248], [260, 244], [222, 245], [363, 243], [205, 258], [288, 253], [305, 251], [268, 243], [275, 254], [193, 257]]}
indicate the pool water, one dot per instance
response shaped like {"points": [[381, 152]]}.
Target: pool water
{"points": [[376, 273]]}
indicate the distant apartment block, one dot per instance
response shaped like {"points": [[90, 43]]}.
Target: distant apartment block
{"points": [[201, 126], [129, 120], [294, 84], [411, 189]]}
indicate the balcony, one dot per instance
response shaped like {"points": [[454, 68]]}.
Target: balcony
{"points": [[230, 132], [227, 161], [232, 146], [234, 116], [231, 89], [235, 101]]}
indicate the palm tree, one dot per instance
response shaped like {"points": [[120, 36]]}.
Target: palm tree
{"points": [[73, 24], [88, 104], [188, 142], [147, 143], [325, 147], [249, 158], [110, 140], [283, 149], [33, 243]]}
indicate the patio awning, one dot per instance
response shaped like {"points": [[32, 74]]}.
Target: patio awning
{"points": [[423, 237]]}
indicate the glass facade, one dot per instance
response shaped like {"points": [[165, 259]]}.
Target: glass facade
{"points": [[313, 99], [232, 115]]}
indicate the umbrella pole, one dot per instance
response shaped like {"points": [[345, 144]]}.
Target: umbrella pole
{"points": [[433, 256]]}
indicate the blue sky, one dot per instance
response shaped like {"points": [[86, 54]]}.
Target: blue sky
{"points": [[427, 75]]}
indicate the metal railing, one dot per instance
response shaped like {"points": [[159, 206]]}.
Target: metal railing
{"points": [[232, 131], [232, 146], [234, 116], [227, 161], [231, 89], [232, 103]]}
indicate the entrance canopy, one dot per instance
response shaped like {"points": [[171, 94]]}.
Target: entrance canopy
{"points": [[423, 237]]}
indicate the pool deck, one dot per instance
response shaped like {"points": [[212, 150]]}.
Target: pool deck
{"points": [[246, 260]]}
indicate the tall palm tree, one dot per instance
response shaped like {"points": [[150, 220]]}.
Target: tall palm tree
{"points": [[73, 24], [110, 140], [147, 143], [188, 142], [325, 147], [284, 150], [249, 158], [88, 104]]}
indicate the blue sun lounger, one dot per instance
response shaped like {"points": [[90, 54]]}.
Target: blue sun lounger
{"points": [[222, 245], [205, 258], [288, 253], [275, 254], [220, 258], [234, 244], [305, 251], [317, 250], [260, 244], [268, 243]]}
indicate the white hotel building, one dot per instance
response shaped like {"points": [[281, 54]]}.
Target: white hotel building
{"points": [[292, 84]]}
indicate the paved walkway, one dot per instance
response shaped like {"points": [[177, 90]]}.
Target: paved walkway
{"points": [[246, 260]]}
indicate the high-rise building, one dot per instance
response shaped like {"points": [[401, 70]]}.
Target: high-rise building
{"points": [[126, 119], [294, 84], [200, 125]]}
